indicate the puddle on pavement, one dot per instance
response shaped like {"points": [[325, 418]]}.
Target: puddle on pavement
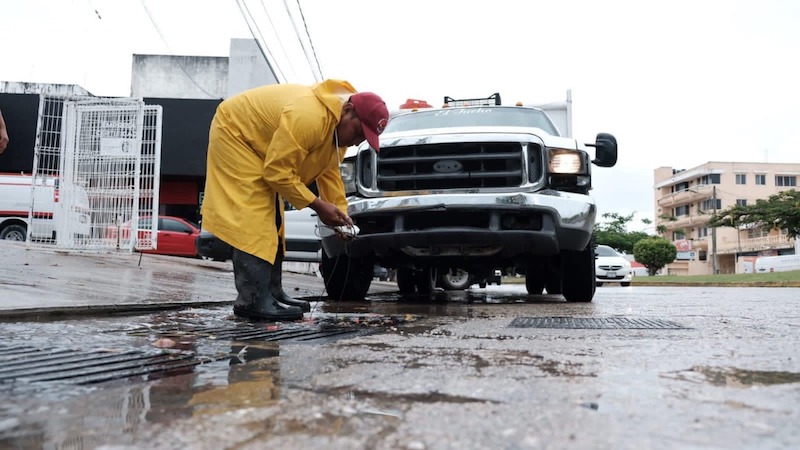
{"points": [[249, 377], [452, 304], [734, 377], [252, 380], [235, 375]]}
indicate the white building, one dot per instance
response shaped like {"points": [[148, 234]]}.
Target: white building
{"points": [[201, 77]]}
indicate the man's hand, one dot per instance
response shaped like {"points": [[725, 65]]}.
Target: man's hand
{"points": [[329, 214]]}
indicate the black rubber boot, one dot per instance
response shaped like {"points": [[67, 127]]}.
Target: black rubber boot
{"points": [[276, 286], [255, 300]]}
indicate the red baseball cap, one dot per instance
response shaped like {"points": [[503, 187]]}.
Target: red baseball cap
{"points": [[371, 111]]}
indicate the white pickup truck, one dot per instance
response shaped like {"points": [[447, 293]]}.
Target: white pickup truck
{"points": [[471, 188]]}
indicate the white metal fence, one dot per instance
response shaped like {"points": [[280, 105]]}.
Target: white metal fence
{"points": [[96, 174]]}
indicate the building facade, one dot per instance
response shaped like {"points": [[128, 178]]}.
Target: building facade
{"points": [[686, 199], [188, 88]]}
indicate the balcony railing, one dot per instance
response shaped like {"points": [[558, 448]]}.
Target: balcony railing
{"points": [[697, 220], [691, 195], [756, 244]]}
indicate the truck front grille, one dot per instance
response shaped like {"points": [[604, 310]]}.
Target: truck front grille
{"points": [[450, 166]]}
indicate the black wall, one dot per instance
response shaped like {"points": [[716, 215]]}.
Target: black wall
{"points": [[184, 133], [20, 112]]}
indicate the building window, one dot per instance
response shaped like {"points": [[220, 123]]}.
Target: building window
{"points": [[681, 187], [682, 211], [761, 179], [785, 180], [741, 202], [753, 233], [678, 236], [741, 178], [702, 232], [714, 178], [711, 204]]}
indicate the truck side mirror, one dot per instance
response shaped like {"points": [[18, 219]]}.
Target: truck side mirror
{"points": [[605, 150]]}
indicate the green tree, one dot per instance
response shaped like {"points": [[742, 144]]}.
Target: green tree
{"points": [[614, 232], [781, 210], [654, 252]]}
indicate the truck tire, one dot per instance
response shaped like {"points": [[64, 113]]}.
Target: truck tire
{"points": [[534, 281], [410, 281], [405, 280], [553, 281], [425, 280], [577, 268], [14, 232], [455, 280], [346, 278]]}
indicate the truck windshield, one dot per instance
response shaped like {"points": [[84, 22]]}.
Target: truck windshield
{"points": [[483, 116]]}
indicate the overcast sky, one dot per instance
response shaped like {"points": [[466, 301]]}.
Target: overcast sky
{"points": [[678, 83]]}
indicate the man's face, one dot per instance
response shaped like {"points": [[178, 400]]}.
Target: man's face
{"points": [[349, 130]]}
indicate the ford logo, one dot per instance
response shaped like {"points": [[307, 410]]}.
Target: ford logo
{"points": [[447, 166]]}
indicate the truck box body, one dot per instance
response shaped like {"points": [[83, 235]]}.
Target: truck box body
{"points": [[784, 263], [20, 192]]}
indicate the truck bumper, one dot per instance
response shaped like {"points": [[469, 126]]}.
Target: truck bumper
{"points": [[498, 225]]}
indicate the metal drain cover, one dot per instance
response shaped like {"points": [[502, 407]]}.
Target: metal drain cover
{"points": [[72, 366], [594, 323], [27, 365], [248, 332]]}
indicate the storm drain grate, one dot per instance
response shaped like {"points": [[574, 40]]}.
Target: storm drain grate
{"points": [[29, 364], [255, 332], [608, 323], [24, 364]]}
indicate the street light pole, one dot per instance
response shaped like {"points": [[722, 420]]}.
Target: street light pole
{"points": [[714, 232], [739, 244]]}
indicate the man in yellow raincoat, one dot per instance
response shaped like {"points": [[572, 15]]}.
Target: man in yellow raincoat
{"points": [[268, 144]]}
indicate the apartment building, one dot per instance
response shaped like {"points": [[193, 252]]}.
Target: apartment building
{"points": [[685, 200]]}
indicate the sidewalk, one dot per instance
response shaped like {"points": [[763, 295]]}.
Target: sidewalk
{"points": [[36, 283]]}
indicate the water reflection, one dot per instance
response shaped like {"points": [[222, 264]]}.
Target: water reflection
{"points": [[244, 376], [253, 381]]}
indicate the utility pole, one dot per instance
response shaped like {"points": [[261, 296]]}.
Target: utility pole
{"points": [[714, 231]]}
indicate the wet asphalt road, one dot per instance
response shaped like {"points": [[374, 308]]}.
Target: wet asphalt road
{"points": [[438, 373]]}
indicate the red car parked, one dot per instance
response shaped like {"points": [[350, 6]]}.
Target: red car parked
{"points": [[176, 236]]}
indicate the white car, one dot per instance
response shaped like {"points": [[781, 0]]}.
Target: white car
{"points": [[611, 267]]}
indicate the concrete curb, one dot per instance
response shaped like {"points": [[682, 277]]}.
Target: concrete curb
{"points": [[47, 313]]}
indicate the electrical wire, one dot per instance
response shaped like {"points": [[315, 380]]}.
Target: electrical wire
{"points": [[333, 270], [278, 38], [271, 62], [97, 13], [319, 67], [163, 39], [316, 70]]}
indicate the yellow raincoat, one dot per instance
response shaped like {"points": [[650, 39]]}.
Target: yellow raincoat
{"points": [[267, 142]]}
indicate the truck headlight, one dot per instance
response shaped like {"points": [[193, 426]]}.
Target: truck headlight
{"points": [[563, 161], [348, 171]]}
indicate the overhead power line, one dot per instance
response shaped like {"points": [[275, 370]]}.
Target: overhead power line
{"points": [[278, 38], [316, 69], [164, 40], [268, 56]]}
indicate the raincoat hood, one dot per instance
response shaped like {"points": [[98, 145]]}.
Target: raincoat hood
{"points": [[333, 94]]}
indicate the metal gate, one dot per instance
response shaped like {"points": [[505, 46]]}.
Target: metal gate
{"points": [[96, 173]]}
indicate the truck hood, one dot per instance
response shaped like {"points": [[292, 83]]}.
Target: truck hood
{"points": [[472, 134]]}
